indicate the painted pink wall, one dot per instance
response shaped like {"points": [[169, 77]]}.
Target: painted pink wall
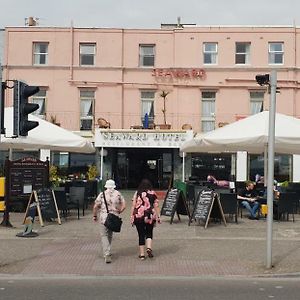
{"points": [[118, 79]]}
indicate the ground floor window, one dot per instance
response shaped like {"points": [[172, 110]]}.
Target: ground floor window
{"points": [[218, 165], [282, 167]]}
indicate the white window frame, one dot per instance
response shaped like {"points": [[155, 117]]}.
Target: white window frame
{"points": [[256, 101], [208, 110], [212, 54], [87, 51], [275, 54], [40, 58], [147, 105], [243, 55], [145, 55], [87, 104], [40, 99]]}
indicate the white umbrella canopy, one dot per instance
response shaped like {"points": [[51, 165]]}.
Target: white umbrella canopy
{"points": [[45, 136], [251, 135]]}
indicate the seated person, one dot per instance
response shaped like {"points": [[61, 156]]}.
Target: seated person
{"points": [[249, 196]]}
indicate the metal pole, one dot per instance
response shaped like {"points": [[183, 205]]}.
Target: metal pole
{"points": [[1, 99], [101, 166], [183, 166], [270, 182]]}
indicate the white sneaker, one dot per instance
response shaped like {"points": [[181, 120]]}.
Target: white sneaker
{"points": [[107, 259]]}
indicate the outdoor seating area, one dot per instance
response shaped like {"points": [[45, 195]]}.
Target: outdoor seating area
{"points": [[286, 202]]}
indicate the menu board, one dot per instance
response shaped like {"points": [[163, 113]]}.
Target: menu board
{"points": [[170, 202], [174, 202], [207, 205], [46, 200], [27, 174], [42, 203], [203, 205]]}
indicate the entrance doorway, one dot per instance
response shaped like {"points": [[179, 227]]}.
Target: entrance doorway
{"points": [[133, 165]]}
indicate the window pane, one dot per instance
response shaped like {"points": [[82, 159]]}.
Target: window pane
{"points": [[218, 165], [147, 55], [276, 53], [87, 49], [40, 53], [147, 50], [87, 54], [210, 47], [208, 111], [208, 126], [275, 47], [278, 58], [86, 109], [87, 60], [40, 99], [147, 102], [240, 59], [210, 53], [256, 102], [240, 48]]}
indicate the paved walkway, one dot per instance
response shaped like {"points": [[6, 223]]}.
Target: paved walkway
{"points": [[74, 248]]}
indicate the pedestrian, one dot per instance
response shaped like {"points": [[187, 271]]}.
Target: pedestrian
{"points": [[144, 215], [116, 205]]}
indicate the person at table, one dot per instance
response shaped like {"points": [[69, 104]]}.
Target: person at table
{"points": [[248, 197]]}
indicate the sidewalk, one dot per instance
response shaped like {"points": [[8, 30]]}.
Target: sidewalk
{"points": [[74, 248]]}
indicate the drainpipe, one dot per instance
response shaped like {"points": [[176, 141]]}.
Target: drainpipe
{"points": [[122, 83], [72, 51]]}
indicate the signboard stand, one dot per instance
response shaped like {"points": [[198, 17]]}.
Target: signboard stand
{"points": [[42, 203], [207, 206], [175, 202], [21, 178]]}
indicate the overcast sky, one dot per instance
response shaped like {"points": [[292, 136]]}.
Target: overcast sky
{"points": [[149, 13]]}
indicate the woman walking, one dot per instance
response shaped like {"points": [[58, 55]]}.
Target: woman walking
{"points": [[144, 214], [116, 205]]}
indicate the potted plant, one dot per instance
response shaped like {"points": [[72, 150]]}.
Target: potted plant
{"points": [[164, 95], [92, 172], [53, 120]]}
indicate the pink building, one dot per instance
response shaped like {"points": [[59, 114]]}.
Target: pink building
{"points": [[208, 74]]}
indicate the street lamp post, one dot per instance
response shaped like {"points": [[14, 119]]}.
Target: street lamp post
{"points": [[271, 142], [270, 81]]}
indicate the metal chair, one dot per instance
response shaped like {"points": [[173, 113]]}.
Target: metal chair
{"points": [[61, 200], [285, 205], [76, 199]]}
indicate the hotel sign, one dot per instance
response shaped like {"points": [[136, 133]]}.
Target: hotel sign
{"points": [[178, 73], [107, 138]]}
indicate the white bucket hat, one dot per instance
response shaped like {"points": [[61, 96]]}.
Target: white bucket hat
{"points": [[110, 184]]}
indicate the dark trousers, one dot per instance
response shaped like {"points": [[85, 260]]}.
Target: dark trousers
{"points": [[145, 231]]}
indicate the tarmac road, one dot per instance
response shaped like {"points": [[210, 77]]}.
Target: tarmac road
{"points": [[112, 288]]}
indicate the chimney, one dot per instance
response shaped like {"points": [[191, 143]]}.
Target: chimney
{"points": [[31, 21]]}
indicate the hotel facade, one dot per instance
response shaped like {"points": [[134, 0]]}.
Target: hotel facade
{"points": [[121, 87]]}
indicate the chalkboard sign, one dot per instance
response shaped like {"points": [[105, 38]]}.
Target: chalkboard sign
{"points": [[170, 202], [46, 206], [206, 203], [22, 177], [174, 202], [27, 174]]}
